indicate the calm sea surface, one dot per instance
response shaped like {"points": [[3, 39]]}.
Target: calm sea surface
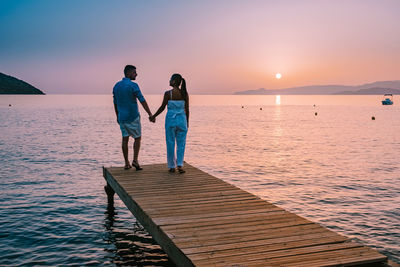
{"points": [[339, 168]]}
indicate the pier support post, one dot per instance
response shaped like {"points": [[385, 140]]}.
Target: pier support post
{"points": [[109, 191], [110, 194]]}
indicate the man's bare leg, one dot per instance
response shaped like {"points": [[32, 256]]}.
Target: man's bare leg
{"points": [[136, 148], [125, 141]]}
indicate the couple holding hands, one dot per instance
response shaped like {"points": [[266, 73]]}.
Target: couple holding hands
{"points": [[125, 95]]}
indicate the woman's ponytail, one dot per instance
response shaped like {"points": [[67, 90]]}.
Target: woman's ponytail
{"points": [[184, 92], [179, 81]]}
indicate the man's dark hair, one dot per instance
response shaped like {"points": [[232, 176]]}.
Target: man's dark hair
{"points": [[128, 69]]}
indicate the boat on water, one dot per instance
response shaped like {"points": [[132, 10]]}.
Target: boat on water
{"points": [[388, 99]]}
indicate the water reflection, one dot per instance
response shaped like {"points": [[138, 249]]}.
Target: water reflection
{"points": [[278, 100], [277, 123], [131, 246], [109, 217]]}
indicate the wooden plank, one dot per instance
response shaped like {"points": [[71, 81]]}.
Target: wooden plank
{"points": [[249, 250], [290, 255], [185, 195], [193, 210], [261, 242], [178, 191], [191, 207], [232, 222], [355, 256], [209, 221], [295, 230], [236, 229], [168, 220], [189, 198], [330, 261], [201, 220]]}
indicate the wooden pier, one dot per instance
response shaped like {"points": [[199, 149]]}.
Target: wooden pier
{"points": [[200, 220]]}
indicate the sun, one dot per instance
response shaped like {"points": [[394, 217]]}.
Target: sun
{"points": [[278, 76]]}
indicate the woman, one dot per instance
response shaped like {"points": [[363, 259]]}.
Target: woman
{"points": [[176, 121]]}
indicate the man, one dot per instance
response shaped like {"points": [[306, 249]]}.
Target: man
{"points": [[125, 93]]}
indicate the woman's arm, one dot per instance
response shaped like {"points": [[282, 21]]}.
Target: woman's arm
{"points": [[187, 111], [163, 105]]}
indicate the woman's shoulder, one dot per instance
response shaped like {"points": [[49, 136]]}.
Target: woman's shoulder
{"points": [[167, 95]]}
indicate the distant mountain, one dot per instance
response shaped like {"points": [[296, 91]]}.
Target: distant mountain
{"points": [[13, 86], [381, 84], [322, 89], [371, 91]]}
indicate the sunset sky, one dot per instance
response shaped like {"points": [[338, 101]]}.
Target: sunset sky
{"points": [[69, 47]]}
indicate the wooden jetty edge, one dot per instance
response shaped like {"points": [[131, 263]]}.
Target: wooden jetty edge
{"points": [[200, 220]]}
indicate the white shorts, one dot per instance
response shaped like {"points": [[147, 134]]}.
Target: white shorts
{"points": [[133, 128]]}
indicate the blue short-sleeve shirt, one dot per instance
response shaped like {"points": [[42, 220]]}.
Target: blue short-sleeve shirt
{"points": [[125, 93]]}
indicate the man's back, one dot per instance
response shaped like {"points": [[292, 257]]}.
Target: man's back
{"points": [[125, 93]]}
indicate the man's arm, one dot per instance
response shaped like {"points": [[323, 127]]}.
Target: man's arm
{"points": [[115, 104], [140, 97], [116, 111], [146, 107]]}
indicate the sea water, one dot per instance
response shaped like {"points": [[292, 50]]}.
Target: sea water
{"points": [[322, 157]]}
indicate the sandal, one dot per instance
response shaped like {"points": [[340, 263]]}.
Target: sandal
{"points": [[127, 167], [171, 170], [136, 165], [180, 170]]}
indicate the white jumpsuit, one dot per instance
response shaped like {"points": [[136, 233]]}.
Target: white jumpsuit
{"points": [[175, 131]]}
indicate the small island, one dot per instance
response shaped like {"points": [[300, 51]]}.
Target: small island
{"points": [[12, 86]]}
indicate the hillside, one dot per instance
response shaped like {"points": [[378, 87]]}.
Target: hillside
{"points": [[371, 91], [326, 89], [11, 85]]}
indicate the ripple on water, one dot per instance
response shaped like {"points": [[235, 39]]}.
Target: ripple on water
{"points": [[338, 169]]}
